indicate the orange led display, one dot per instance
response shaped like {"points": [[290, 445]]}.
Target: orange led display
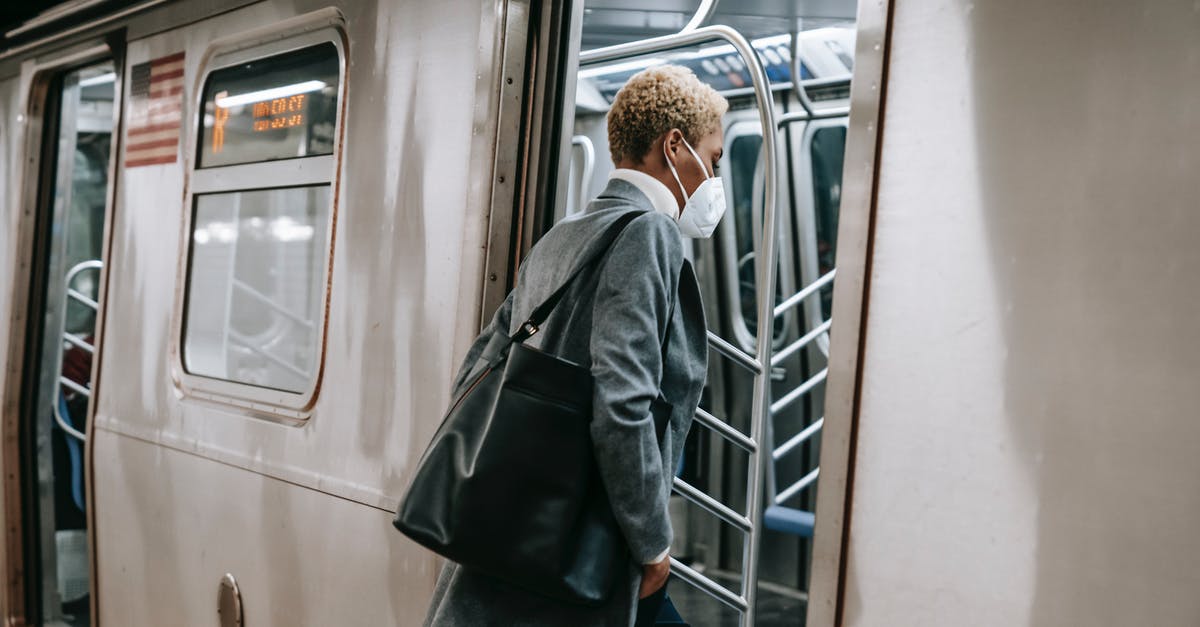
{"points": [[279, 113], [220, 118]]}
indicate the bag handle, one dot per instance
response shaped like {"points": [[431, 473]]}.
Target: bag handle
{"points": [[542, 311]]}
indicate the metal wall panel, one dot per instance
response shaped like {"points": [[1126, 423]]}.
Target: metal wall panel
{"points": [[187, 490], [1026, 449]]}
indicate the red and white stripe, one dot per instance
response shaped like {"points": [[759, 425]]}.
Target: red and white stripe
{"points": [[156, 118]]}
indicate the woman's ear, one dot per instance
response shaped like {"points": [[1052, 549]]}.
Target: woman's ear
{"points": [[673, 142]]}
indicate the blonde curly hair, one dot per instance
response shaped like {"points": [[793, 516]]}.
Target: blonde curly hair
{"points": [[657, 100]]}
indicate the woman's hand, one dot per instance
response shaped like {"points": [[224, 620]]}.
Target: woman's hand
{"points": [[654, 576]]}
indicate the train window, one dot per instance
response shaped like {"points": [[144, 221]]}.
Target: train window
{"points": [[744, 152], [255, 286], [280, 107], [828, 149], [251, 319]]}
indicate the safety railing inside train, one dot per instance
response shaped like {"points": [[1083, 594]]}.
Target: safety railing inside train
{"points": [[71, 339], [750, 522]]}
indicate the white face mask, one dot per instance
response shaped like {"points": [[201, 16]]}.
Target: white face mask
{"points": [[706, 205]]}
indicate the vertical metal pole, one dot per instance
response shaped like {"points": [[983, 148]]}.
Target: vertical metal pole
{"points": [[765, 285]]}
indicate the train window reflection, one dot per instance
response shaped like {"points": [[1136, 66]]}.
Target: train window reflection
{"points": [[278, 107], [828, 150], [256, 279], [744, 156]]}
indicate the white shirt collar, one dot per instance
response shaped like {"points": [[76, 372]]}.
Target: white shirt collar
{"points": [[660, 196]]}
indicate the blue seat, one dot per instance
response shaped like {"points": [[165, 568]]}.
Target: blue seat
{"points": [[74, 452], [789, 520]]}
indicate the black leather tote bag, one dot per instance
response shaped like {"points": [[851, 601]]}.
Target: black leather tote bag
{"points": [[509, 485]]}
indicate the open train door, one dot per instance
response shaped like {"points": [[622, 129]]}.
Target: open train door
{"points": [[71, 118], [745, 519]]}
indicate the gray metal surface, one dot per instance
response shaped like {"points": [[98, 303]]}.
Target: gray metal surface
{"points": [[1041, 390]]}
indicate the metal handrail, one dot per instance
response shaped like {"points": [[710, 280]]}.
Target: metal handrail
{"points": [[70, 293], [714, 507], [765, 280], [797, 83], [738, 356], [795, 488], [806, 103], [704, 12], [589, 166], [801, 343], [798, 297], [798, 439], [804, 388], [714, 589], [731, 434]]}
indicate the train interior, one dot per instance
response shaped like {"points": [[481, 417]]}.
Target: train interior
{"points": [[815, 41], [72, 194]]}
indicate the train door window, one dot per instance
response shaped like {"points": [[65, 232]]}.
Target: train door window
{"points": [[261, 225], [742, 231], [819, 170], [74, 194], [827, 149]]}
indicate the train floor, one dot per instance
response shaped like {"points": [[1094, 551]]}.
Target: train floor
{"points": [[775, 609]]}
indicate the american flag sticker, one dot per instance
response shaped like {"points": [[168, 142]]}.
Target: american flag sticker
{"points": [[155, 111]]}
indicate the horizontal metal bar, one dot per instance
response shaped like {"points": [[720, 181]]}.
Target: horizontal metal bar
{"points": [[656, 44], [734, 353], [798, 439], [800, 343], [75, 340], [730, 433], [704, 584], [798, 486], [250, 344], [714, 507], [804, 388], [75, 387], [83, 298], [817, 114], [798, 297], [703, 13], [269, 302], [67, 32]]}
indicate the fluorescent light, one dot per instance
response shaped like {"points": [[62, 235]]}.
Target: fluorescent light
{"points": [[270, 94], [639, 64], [98, 80]]}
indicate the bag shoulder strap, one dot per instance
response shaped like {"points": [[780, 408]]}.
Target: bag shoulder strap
{"points": [[542, 311]]}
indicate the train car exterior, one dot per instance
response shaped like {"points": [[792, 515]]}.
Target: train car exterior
{"points": [[281, 474], [211, 419]]}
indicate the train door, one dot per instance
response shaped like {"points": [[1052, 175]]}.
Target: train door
{"points": [[72, 203], [715, 511], [764, 398]]}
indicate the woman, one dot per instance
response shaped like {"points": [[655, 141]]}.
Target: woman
{"points": [[665, 136]]}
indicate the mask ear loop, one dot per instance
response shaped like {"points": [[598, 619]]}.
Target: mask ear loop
{"points": [[682, 189], [698, 159]]}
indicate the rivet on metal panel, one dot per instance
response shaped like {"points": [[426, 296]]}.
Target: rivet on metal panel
{"points": [[501, 179], [509, 80], [492, 277], [229, 602]]}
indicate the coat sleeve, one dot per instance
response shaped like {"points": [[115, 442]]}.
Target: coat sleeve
{"points": [[630, 317], [500, 322]]}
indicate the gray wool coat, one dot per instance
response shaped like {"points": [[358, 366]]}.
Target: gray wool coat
{"points": [[614, 320]]}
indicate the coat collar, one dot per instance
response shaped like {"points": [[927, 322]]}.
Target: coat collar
{"points": [[624, 192]]}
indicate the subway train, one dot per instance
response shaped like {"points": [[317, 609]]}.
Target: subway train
{"points": [[244, 245]]}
